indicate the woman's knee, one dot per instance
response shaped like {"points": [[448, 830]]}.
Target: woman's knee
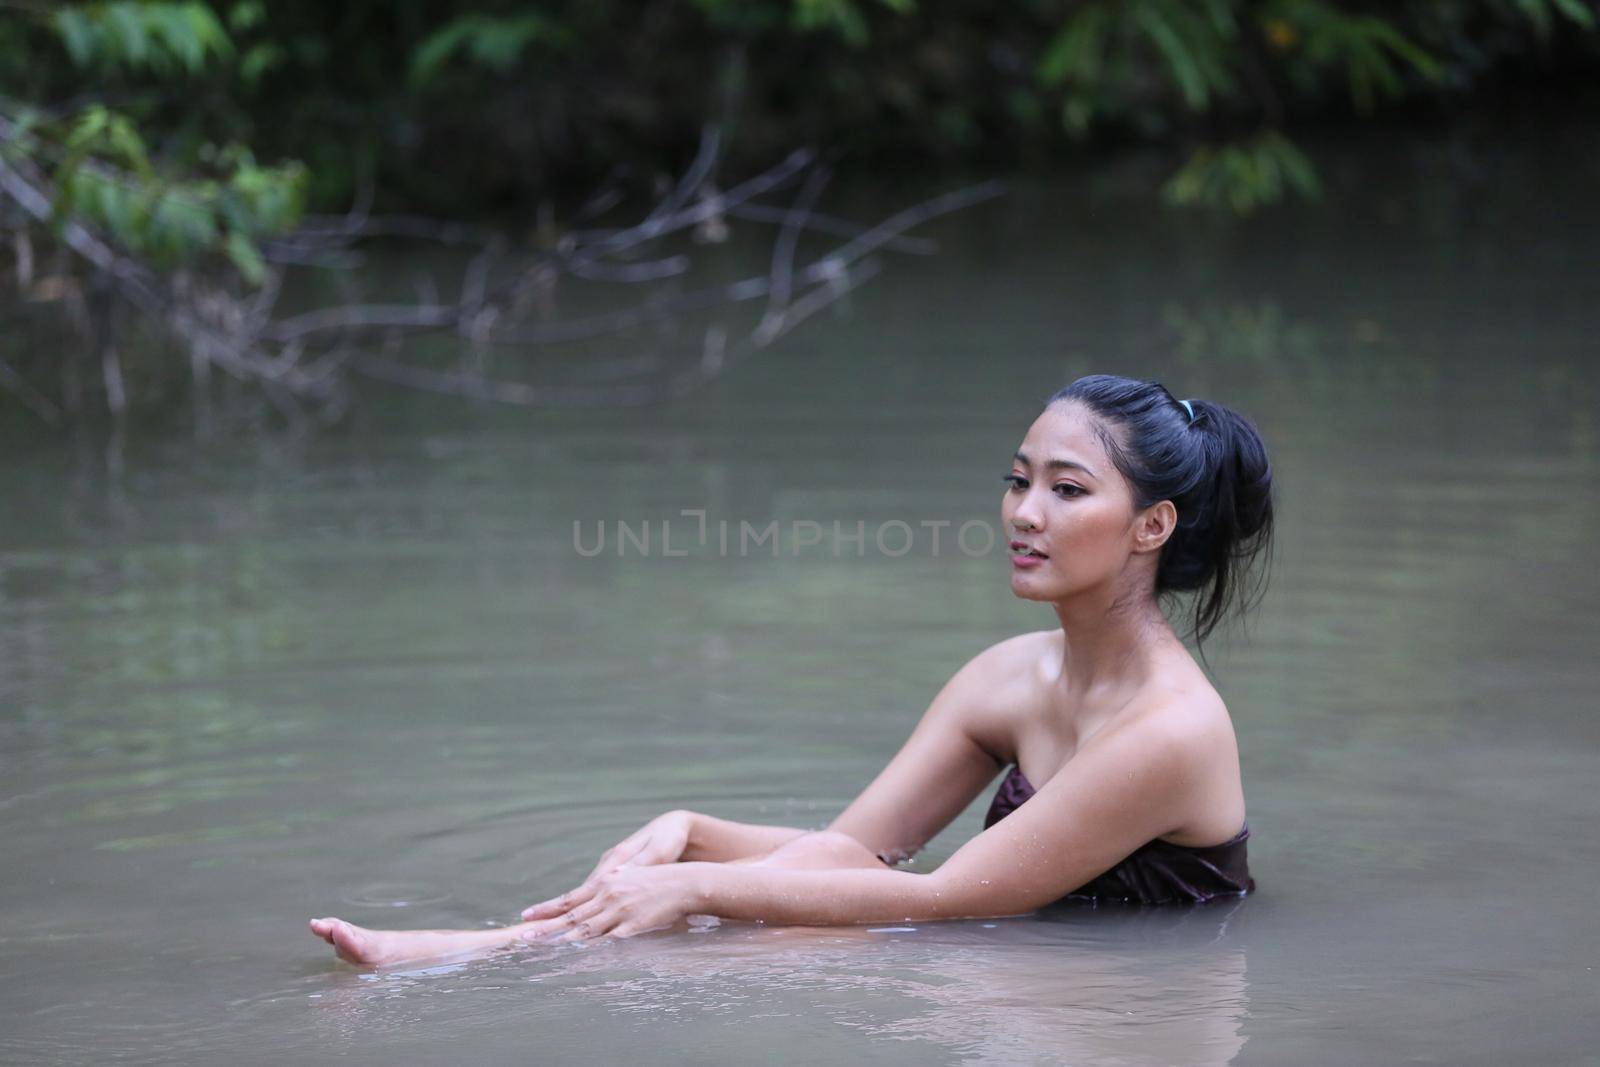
{"points": [[822, 848]]}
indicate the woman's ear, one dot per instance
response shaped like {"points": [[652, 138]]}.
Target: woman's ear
{"points": [[1154, 525]]}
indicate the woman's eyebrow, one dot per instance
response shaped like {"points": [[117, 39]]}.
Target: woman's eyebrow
{"points": [[1058, 464]]}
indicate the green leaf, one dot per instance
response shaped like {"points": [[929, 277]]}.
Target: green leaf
{"points": [[257, 60], [490, 41], [210, 32], [1076, 52], [842, 16], [126, 27], [433, 53], [182, 224], [91, 124], [1576, 11], [1180, 61], [1296, 167], [246, 15], [76, 34], [177, 33], [1382, 33], [115, 211], [247, 257], [1076, 114], [1243, 177], [127, 143]]}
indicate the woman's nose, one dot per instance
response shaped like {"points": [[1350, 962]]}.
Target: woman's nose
{"points": [[1027, 515]]}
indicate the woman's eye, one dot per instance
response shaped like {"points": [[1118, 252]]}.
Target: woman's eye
{"points": [[1069, 490], [1016, 481]]}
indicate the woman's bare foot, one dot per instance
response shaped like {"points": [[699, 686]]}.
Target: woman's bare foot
{"points": [[379, 948]]}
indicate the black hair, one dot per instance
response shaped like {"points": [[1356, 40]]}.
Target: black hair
{"points": [[1214, 469]]}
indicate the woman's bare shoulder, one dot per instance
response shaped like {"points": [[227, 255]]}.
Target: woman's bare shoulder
{"points": [[1187, 728], [1181, 703], [1020, 661], [1002, 685]]}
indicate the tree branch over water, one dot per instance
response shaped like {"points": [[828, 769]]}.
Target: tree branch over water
{"points": [[507, 299]]}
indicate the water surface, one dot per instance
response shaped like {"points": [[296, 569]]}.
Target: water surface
{"points": [[247, 683]]}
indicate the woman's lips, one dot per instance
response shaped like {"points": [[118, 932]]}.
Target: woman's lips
{"points": [[1024, 556]]}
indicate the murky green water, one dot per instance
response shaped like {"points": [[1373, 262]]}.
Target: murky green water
{"points": [[371, 676]]}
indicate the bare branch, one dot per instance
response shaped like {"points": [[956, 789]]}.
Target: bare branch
{"points": [[781, 276], [35, 401], [302, 360]]}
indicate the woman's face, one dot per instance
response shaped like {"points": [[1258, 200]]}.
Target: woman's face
{"points": [[1068, 513]]}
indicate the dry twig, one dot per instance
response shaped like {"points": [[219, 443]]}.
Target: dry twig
{"points": [[303, 360]]}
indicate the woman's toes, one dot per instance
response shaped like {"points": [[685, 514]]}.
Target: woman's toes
{"points": [[355, 945], [346, 942]]}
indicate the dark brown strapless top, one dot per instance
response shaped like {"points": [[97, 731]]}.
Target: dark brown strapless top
{"points": [[1158, 872]]}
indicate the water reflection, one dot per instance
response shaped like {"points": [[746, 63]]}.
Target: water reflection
{"points": [[1136, 987]]}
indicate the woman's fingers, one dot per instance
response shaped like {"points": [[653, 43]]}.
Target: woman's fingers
{"points": [[547, 909], [615, 922], [594, 924], [573, 926], [561, 924], [642, 849], [559, 905], [607, 858], [618, 855]]}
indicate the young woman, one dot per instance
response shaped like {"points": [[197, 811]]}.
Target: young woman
{"points": [[1124, 780]]}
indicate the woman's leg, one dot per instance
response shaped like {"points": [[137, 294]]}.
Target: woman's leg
{"points": [[821, 848], [357, 944], [376, 948]]}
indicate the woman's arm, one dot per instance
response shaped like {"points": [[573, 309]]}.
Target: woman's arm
{"points": [[1115, 795], [1127, 785], [714, 840], [947, 761], [673, 836]]}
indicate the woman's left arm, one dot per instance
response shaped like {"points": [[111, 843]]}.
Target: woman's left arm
{"points": [[1120, 791], [1129, 784]]}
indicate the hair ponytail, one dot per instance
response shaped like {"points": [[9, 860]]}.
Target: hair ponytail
{"points": [[1222, 552], [1214, 468]]}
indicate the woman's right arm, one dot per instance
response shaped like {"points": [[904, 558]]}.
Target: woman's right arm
{"points": [[949, 758], [939, 770]]}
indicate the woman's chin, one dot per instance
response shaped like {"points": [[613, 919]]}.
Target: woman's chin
{"points": [[1025, 586]]}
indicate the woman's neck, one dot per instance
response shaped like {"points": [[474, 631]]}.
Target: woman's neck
{"points": [[1109, 645]]}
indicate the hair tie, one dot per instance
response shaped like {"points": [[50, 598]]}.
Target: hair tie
{"points": [[1189, 408]]}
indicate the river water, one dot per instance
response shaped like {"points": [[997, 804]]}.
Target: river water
{"points": [[371, 675]]}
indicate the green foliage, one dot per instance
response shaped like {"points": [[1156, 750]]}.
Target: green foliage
{"points": [[492, 42], [844, 17], [142, 123], [162, 38], [1543, 14], [1107, 50], [1204, 55], [1243, 176], [1372, 54], [496, 103], [190, 201], [1140, 64], [105, 181], [849, 20]]}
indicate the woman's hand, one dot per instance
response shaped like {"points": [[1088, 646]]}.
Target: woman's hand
{"points": [[626, 901], [661, 840]]}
